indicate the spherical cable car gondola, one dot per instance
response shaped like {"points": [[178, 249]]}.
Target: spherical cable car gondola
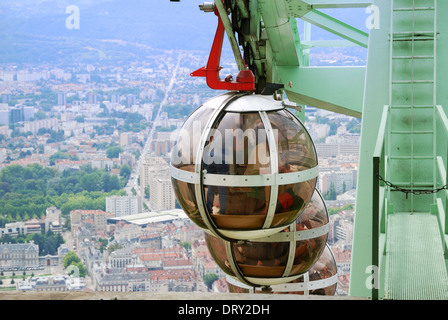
{"points": [[278, 258], [321, 279], [243, 166]]}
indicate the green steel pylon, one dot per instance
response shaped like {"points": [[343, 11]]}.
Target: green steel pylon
{"points": [[399, 232], [401, 220]]}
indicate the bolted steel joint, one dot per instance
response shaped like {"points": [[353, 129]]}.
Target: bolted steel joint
{"points": [[207, 7]]}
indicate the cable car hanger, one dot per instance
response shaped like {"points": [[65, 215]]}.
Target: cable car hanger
{"points": [[245, 80]]}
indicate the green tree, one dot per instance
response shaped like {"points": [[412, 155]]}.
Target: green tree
{"points": [[26, 192], [89, 182], [114, 183], [80, 118], [105, 182], [113, 152], [177, 111], [70, 258], [331, 192], [186, 245], [125, 171], [209, 279], [112, 247], [104, 243], [147, 192], [354, 126], [57, 156], [39, 115], [48, 243]]}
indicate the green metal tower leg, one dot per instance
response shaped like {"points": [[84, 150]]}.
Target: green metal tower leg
{"points": [[400, 233], [375, 97], [406, 230]]}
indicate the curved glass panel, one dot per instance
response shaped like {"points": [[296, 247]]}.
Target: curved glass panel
{"points": [[296, 150], [237, 208], [237, 145], [292, 200], [296, 153], [185, 148], [308, 251], [262, 259], [255, 259], [324, 268], [217, 249], [269, 259], [185, 195]]}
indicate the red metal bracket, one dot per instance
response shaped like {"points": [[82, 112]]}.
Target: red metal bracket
{"points": [[245, 80]]}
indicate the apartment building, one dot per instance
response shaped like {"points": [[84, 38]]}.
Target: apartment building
{"points": [[121, 258], [335, 149], [119, 281], [19, 255], [34, 126], [161, 194], [52, 283], [155, 174], [97, 218], [151, 165], [342, 180], [124, 205], [180, 280]]}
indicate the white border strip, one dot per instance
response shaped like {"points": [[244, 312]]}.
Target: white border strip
{"points": [[289, 287], [299, 176], [297, 235], [227, 180], [183, 175]]}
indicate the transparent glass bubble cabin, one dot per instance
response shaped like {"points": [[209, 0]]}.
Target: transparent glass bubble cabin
{"points": [[320, 280], [278, 258], [243, 166]]}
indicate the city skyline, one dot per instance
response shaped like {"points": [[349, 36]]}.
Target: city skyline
{"points": [[102, 125], [136, 147]]}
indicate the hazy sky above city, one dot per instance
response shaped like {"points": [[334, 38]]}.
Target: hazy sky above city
{"points": [[63, 30]]}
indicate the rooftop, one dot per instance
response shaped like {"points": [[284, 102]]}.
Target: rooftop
{"points": [[18, 246], [145, 218], [88, 211]]}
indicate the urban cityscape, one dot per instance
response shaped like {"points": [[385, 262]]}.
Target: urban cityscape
{"points": [[86, 201]]}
